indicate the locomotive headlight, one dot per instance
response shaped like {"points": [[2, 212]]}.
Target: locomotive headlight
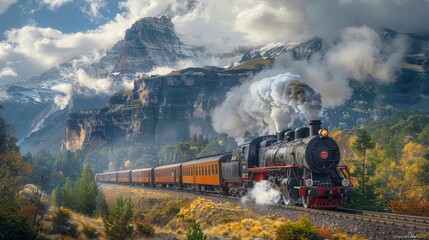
{"points": [[323, 132], [345, 182], [309, 182]]}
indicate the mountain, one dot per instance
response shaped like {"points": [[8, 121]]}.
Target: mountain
{"points": [[176, 106], [77, 94], [159, 109], [298, 50], [151, 43], [39, 106]]}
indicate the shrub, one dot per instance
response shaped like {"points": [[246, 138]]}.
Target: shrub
{"points": [[145, 230], [162, 216], [42, 236], [302, 229], [62, 223], [195, 232], [325, 232], [14, 226], [89, 231]]}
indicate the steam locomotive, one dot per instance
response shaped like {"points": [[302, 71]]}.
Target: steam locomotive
{"points": [[303, 164]]}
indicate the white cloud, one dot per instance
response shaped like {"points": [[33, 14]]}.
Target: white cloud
{"points": [[362, 54], [93, 8], [31, 49], [219, 25], [5, 4], [54, 4], [62, 100], [8, 72]]}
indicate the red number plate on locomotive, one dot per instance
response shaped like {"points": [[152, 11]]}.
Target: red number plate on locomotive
{"points": [[324, 154]]}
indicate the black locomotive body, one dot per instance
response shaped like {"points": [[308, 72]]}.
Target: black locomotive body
{"points": [[303, 164]]}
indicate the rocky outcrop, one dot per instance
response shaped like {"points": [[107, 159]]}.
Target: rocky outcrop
{"points": [[159, 109], [151, 42]]}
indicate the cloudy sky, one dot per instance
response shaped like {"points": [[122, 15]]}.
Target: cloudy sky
{"points": [[39, 34]]}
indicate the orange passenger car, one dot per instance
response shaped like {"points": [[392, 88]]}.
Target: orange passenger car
{"points": [[204, 173], [168, 175], [143, 176], [124, 176]]}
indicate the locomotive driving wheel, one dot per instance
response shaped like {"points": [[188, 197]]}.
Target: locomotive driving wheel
{"points": [[287, 201], [305, 201]]}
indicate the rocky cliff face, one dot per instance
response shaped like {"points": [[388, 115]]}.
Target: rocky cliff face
{"points": [[161, 109], [177, 106], [39, 106], [151, 42]]}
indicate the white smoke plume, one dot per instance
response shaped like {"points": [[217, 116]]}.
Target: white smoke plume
{"points": [[266, 106], [262, 193], [359, 54]]}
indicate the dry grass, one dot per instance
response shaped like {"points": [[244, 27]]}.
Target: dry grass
{"points": [[78, 219], [216, 219]]}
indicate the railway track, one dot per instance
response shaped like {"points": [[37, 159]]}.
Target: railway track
{"points": [[420, 224], [399, 220]]}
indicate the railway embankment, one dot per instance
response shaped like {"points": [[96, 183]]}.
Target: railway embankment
{"points": [[170, 211]]}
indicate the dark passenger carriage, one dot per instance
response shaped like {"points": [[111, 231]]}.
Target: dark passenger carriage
{"points": [[143, 176]]}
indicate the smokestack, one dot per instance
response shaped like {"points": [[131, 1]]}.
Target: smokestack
{"points": [[281, 135], [315, 126]]}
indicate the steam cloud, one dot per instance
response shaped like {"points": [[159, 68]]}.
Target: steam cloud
{"points": [[359, 53], [262, 193], [272, 103], [266, 105]]}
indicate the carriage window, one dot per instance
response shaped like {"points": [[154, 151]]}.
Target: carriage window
{"points": [[216, 169], [213, 173]]}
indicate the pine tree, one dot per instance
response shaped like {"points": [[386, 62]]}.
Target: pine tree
{"points": [[69, 201], [12, 174], [363, 143], [117, 224], [86, 191], [195, 232], [57, 197], [101, 206]]}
